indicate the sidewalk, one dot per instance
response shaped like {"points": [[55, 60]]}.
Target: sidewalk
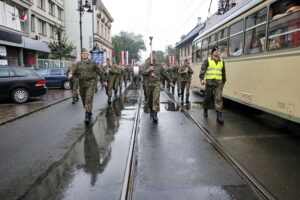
{"points": [[10, 111]]}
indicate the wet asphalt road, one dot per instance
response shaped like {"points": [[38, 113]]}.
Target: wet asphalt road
{"points": [[30, 145], [174, 161]]}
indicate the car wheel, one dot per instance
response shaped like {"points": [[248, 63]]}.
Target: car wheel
{"points": [[20, 95], [66, 85]]}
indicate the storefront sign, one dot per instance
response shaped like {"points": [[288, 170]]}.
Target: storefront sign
{"points": [[3, 62], [3, 51]]}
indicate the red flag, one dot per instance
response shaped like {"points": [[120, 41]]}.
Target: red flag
{"points": [[23, 17]]}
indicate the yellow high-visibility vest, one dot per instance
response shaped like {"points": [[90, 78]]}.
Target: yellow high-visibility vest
{"points": [[214, 71]]}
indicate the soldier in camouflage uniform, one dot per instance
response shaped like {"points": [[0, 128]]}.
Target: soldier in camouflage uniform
{"points": [[111, 73], [175, 78], [87, 73], [185, 76], [73, 82], [154, 72], [125, 74], [213, 76]]}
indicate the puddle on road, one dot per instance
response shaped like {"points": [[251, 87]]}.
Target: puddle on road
{"points": [[95, 165]]}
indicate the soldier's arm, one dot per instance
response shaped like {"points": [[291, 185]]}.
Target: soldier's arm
{"points": [[181, 70], [190, 70], [165, 74], [223, 73], [203, 70], [76, 71]]}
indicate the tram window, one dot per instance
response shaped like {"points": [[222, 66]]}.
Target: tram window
{"points": [[198, 55], [256, 18], [254, 40], [282, 8], [223, 33], [213, 38], [236, 45], [236, 28], [204, 51], [284, 32], [223, 45]]}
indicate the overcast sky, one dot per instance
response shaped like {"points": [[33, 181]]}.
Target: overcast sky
{"points": [[165, 20]]}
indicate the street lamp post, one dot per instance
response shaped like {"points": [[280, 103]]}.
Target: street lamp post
{"points": [[151, 38], [81, 9]]}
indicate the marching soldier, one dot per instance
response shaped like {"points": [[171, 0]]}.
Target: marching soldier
{"points": [[213, 76], [154, 72], [73, 81], [175, 78], [87, 73], [111, 73], [185, 76]]}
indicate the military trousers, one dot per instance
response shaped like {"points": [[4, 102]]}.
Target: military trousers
{"points": [[176, 81], [185, 85], [214, 92], [113, 84], [145, 89], [74, 86], [87, 90], [120, 82], [153, 94]]}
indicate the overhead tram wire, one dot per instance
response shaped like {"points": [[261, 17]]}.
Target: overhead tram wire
{"points": [[178, 17], [202, 2]]}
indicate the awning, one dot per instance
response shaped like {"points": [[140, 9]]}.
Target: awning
{"points": [[35, 45]]}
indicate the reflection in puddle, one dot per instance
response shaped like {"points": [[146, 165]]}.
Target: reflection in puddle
{"points": [[96, 162]]}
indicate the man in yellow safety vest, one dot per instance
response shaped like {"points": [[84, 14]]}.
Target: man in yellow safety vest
{"points": [[213, 76]]}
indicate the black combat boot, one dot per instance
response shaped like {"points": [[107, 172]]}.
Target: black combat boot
{"points": [[73, 100], [87, 118], [77, 99], [151, 113], [155, 119], [173, 91], [220, 120], [205, 114], [187, 99], [182, 98], [109, 100]]}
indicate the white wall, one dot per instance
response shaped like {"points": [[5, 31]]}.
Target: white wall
{"points": [[72, 26]]}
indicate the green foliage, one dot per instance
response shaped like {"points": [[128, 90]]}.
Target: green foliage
{"points": [[60, 48], [130, 42]]}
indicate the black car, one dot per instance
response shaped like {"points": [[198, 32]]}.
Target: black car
{"points": [[20, 83], [55, 77]]}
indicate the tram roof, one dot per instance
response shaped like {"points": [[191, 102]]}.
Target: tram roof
{"points": [[229, 15]]}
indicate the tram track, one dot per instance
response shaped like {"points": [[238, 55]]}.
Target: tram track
{"points": [[127, 188], [248, 177]]}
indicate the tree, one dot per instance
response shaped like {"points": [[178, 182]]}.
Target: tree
{"points": [[60, 48], [130, 42]]}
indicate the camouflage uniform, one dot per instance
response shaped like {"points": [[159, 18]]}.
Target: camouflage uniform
{"points": [[87, 73], [112, 78], [175, 78], [185, 80], [73, 81], [153, 85], [213, 88]]}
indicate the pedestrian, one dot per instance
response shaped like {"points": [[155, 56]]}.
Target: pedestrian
{"points": [[213, 76], [185, 76], [154, 72], [73, 81], [111, 73], [87, 73]]}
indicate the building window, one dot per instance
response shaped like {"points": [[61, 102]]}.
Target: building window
{"points": [[41, 4], [60, 13], [52, 31], [51, 8], [32, 23], [42, 27]]}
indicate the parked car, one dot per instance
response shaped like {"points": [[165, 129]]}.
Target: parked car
{"points": [[20, 83], [55, 77]]}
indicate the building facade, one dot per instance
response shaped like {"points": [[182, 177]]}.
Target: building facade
{"points": [[26, 28], [96, 27]]}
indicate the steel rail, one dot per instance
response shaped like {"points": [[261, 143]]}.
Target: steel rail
{"points": [[248, 177], [127, 187]]}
